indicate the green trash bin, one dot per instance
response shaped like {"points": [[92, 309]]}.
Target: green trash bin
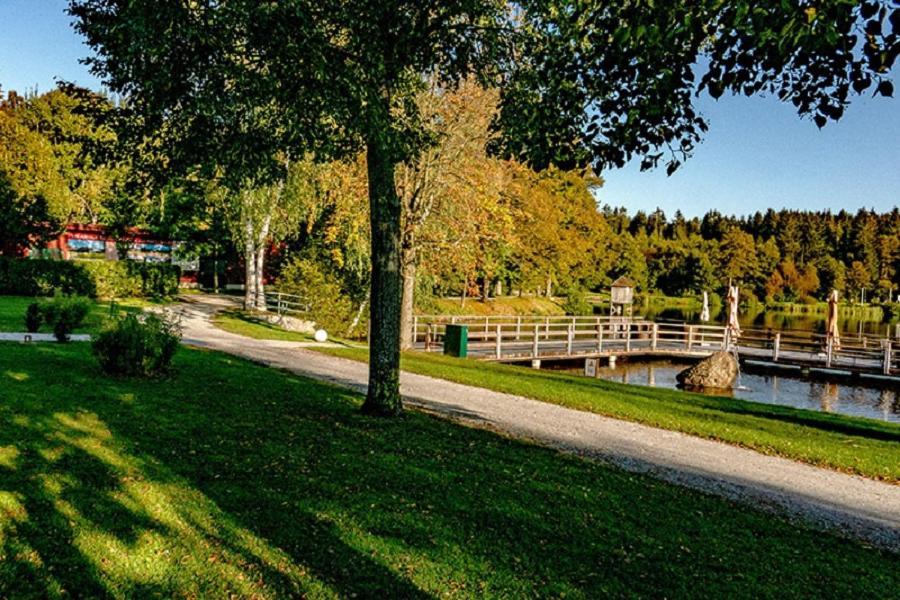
{"points": [[456, 341]]}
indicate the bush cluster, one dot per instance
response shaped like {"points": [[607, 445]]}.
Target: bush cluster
{"points": [[25, 277], [137, 346], [130, 279], [330, 308], [92, 278], [63, 314]]}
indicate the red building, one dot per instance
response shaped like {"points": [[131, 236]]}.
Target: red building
{"points": [[93, 242]]}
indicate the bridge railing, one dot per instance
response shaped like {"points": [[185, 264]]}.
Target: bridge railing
{"points": [[862, 352], [575, 338], [498, 338]]}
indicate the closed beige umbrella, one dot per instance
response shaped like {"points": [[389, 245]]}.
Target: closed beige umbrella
{"points": [[832, 332], [733, 327], [704, 312]]}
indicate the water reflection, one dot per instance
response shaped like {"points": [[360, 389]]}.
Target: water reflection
{"points": [[845, 398], [856, 322]]}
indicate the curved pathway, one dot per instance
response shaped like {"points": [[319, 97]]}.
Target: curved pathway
{"points": [[846, 504]]}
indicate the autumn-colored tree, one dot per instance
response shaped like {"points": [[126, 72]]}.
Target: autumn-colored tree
{"points": [[562, 232], [452, 176], [858, 279]]}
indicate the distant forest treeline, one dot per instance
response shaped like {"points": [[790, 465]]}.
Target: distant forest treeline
{"points": [[778, 256]]}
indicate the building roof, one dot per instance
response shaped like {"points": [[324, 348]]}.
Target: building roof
{"points": [[622, 282]]}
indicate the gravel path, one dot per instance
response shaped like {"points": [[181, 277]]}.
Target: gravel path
{"points": [[846, 504]]}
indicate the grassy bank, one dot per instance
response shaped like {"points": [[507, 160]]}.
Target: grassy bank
{"points": [[12, 313], [505, 305], [233, 480], [863, 446]]}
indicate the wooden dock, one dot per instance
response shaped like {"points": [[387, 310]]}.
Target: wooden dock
{"points": [[535, 339]]}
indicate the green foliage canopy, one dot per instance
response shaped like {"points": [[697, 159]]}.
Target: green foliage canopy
{"points": [[581, 81]]}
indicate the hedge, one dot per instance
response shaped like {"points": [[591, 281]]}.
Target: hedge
{"points": [[94, 278]]}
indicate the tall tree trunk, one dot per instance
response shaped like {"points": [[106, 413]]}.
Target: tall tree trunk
{"points": [[250, 268], [485, 289], [383, 396], [407, 306], [260, 298], [260, 257], [498, 288], [549, 287]]}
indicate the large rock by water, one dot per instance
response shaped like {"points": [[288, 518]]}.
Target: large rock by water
{"points": [[718, 371]]}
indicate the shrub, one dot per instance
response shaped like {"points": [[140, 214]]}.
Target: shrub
{"points": [[137, 347], [330, 308], [41, 277], [112, 279], [126, 278], [576, 302], [104, 278], [64, 314], [33, 317]]}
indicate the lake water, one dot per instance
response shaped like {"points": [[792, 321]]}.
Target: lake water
{"points": [[849, 398]]}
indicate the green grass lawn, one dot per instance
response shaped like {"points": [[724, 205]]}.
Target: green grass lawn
{"points": [[228, 479], [12, 313], [863, 446], [241, 323]]}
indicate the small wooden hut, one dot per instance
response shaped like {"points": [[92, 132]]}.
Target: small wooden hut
{"points": [[621, 297]]}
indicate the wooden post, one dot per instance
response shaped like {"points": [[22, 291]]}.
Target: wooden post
{"points": [[599, 336], [887, 357], [690, 341], [546, 327], [628, 337], [428, 338], [518, 328], [486, 319], [535, 341], [655, 339], [570, 337], [776, 347], [415, 331], [498, 351], [829, 350], [453, 320]]}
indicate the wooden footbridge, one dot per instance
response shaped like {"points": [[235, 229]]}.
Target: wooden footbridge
{"points": [[516, 339]]}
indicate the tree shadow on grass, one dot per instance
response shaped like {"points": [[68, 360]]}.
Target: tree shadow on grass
{"points": [[81, 507]]}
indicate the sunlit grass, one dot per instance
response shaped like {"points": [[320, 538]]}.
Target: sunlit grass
{"points": [[242, 323], [232, 480], [858, 445], [12, 312]]}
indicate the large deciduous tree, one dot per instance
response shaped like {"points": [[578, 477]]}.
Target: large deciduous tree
{"points": [[581, 81]]}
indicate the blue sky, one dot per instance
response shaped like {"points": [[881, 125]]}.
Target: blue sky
{"points": [[757, 154]]}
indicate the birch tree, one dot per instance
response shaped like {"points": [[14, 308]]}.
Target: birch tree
{"points": [[263, 215]]}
